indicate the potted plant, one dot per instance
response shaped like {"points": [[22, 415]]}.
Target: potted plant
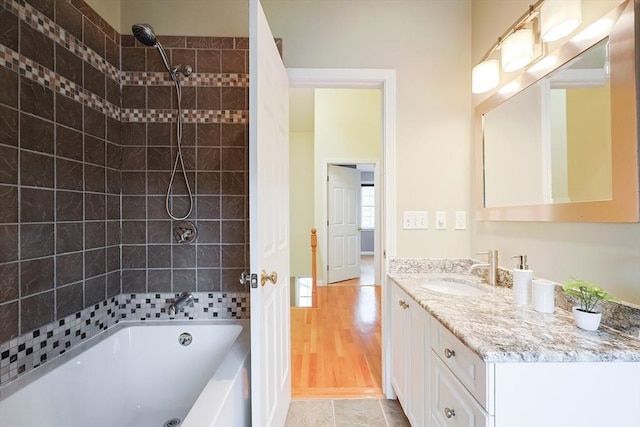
{"points": [[589, 294]]}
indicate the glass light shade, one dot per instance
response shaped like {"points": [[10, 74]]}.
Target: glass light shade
{"points": [[517, 50], [485, 76], [558, 18]]}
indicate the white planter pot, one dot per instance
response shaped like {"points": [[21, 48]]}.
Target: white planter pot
{"points": [[585, 320]]}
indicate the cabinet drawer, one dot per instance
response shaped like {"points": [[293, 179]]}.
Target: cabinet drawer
{"points": [[472, 372], [451, 404]]}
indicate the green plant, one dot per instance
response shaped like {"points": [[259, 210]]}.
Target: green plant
{"points": [[588, 293]]}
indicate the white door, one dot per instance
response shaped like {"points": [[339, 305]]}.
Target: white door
{"points": [[269, 225], [344, 224]]}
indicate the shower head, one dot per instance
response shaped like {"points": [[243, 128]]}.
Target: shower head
{"points": [[145, 35]]}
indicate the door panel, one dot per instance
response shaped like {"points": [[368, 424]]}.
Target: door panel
{"points": [[344, 224], [268, 225]]}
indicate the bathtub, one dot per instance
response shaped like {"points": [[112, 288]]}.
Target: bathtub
{"points": [[140, 374]]}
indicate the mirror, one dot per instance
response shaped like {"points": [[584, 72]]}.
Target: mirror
{"points": [[564, 148]]}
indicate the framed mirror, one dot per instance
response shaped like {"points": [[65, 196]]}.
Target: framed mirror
{"points": [[564, 148]]}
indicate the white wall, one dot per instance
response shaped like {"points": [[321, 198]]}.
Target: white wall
{"points": [[428, 44], [606, 253]]}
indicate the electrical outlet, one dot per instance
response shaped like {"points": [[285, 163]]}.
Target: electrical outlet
{"points": [[415, 220], [441, 220], [461, 220]]}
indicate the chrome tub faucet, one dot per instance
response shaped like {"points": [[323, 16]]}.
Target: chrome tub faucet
{"points": [[186, 298], [491, 265]]}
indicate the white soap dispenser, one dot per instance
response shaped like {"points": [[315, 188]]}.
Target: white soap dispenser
{"points": [[522, 277]]}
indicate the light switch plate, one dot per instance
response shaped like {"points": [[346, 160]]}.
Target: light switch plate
{"points": [[461, 220], [415, 220], [441, 220]]}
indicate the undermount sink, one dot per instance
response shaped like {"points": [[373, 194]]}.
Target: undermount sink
{"points": [[453, 288]]}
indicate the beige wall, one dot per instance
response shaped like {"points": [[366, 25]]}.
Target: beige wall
{"points": [[110, 10], [605, 253], [427, 43], [224, 18]]}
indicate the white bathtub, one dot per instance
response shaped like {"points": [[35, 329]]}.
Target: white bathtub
{"points": [[137, 374]]}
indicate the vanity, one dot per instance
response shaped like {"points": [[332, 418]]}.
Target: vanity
{"points": [[466, 358]]}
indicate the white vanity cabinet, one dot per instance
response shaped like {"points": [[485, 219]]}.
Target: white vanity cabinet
{"points": [[442, 382], [410, 356], [461, 383]]}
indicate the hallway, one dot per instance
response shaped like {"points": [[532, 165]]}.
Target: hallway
{"points": [[336, 348]]}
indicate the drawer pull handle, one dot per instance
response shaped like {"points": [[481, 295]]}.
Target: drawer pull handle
{"points": [[449, 353], [403, 304], [449, 413]]}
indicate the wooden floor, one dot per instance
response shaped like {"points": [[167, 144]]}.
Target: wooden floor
{"points": [[336, 348]]}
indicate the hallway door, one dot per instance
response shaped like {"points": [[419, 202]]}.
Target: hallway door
{"points": [[268, 225], [343, 234]]}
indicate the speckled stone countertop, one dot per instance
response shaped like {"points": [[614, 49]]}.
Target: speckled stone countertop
{"points": [[498, 330]]}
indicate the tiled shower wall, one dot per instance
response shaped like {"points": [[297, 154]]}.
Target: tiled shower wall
{"points": [[214, 148], [86, 149], [60, 163]]}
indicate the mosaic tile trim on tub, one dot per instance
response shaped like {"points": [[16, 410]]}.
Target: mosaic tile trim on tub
{"points": [[26, 352]]}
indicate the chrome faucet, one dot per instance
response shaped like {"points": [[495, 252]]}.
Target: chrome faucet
{"points": [[491, 265], [183, 300]]}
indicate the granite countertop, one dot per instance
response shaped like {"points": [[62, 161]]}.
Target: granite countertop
{"points": [[498, 330]]}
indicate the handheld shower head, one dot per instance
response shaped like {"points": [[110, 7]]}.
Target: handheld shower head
{"points": [[145, 35]]}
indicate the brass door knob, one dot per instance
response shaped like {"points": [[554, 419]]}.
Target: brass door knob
{"points": [[264, 277]]}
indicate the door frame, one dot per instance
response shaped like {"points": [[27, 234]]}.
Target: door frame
{"points": [[385, 80]]}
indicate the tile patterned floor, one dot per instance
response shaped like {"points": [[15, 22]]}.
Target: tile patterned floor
{"points": [[346, 413]]}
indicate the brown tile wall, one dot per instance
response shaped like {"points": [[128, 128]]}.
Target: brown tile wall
{"points": [[214, 146], [78, 166], [60, 169]]}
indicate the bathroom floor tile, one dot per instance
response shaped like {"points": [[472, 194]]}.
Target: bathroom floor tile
{"points": [[356, 412], [312, 413]]}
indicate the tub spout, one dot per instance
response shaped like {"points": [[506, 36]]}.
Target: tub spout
{"points": [[186, 298]]}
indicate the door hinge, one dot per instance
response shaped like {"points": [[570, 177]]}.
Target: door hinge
{"points": [[327, 267]]}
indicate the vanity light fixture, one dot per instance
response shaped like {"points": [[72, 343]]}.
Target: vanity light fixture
{"points": [[485, 76], [558, 18], [517, 50], [525, 41]]}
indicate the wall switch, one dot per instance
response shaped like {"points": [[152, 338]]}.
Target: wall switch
{"points": [[415, 220], [461, 220], [441, 220]]}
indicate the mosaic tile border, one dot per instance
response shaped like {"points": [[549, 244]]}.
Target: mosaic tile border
{"points": [[188, 116], [42, 23], [149, 78], [28, 351], [37, 73], [48, 78]]}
